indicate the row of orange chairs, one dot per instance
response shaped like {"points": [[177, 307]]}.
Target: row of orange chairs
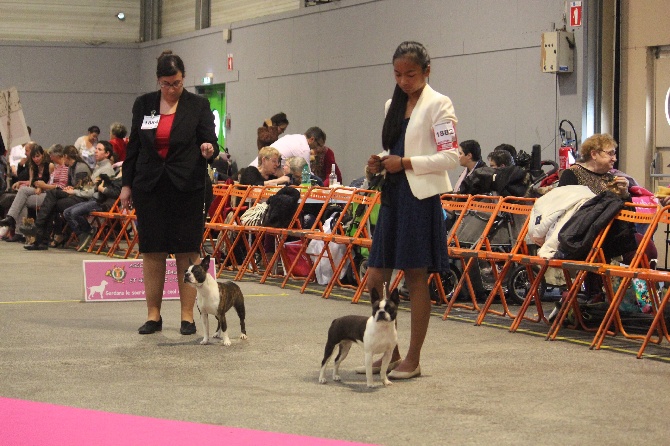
{"points": [[116, 232], [225, 233], [489, 210]]}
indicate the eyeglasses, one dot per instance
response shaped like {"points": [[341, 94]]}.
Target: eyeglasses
{"points": [[610, 153], [175, 84]]}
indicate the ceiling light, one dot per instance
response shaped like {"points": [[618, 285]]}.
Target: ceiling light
{"points": [[121, 16]]}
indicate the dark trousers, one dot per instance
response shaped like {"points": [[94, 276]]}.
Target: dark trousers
{"points": [[55, 201]]}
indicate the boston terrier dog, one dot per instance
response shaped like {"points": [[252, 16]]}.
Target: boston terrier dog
{"points": [[216, 298], [377, 332]]}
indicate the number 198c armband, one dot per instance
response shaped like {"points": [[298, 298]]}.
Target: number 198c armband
{"points": [[445, 136]]}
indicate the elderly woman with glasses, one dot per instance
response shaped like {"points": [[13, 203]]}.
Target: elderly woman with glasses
{"points": [[172, 138], [597, 158], [269, 171]]}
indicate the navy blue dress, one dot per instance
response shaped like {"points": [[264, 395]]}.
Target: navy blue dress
{"points": [[410, 233]]}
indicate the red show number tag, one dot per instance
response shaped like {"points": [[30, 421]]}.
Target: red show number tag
{"points": [[445, 136]]}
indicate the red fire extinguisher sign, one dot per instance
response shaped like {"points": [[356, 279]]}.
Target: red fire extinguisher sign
{"points": [[575, 14]]}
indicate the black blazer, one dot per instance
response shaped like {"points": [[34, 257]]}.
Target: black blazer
{"points": [[184, 165]]}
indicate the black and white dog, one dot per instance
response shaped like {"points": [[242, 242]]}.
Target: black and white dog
{"points": [[377, 332], [216, 298]]}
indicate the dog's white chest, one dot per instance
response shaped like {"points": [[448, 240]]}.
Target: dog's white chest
{"points": [[208, 296], [380, 336]]}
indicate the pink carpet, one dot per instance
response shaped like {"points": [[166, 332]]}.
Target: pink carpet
{"points": [[30, 423]]}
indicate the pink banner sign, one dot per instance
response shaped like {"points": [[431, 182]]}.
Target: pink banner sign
{"points": [[114, 280]]}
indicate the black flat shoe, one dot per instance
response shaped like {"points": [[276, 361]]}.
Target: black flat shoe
{"points": [[187, 328], [16, 238], [8, 221], [36, 247], [151, 327]]}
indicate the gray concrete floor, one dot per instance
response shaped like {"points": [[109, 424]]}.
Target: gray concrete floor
{"points": [[480, 385]]}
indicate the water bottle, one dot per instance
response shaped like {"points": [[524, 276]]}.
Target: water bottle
{"points": [[305, 180], [332, 178]]}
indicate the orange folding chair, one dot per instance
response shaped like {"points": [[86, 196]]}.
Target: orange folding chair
{"points": [[638, 269], [658, 324], [128, 236], [220, 192], [516, 212], [340, 196], [341, 234], [109, 224], [596, 262], [315, 198], [261, 232], [243, 196], [470, 237]]}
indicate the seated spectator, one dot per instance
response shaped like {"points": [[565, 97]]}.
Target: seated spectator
{"points": [[36, 169], [293, 168], [597, 157], [322, 159], [81, 188], [268, 172], [86, 145], [507, 148], [106, 192], [18, 153], [118, 141], [298, 145], [271, 129], [500, 158], [33, 194], [18, 160], [470, 157]]}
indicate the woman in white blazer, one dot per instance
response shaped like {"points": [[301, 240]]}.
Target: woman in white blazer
{"points": [[420, 145]]}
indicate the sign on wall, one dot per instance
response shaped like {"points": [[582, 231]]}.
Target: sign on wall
{"points": [[575, 14]]}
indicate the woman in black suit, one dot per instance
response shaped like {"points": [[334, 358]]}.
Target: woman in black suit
{"points": [[172, 139]]}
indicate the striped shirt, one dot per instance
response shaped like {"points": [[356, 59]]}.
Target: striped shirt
{"points": [[59, 176]]}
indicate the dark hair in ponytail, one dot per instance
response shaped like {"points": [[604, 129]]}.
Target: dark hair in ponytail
{"points": [[396, 113], [169, 64]]}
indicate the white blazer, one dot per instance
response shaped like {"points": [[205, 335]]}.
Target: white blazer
{"points": [[428, 175]]}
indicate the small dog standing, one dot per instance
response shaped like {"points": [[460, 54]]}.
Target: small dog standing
{"points": [[214, 297], [378, 333]]}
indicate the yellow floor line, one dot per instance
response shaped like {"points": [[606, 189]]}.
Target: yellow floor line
{"points": [[41, 301]]}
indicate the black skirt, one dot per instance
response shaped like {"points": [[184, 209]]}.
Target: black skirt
{"points": [[168, 219], [410, 233]]}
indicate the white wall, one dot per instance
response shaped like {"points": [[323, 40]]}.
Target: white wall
{"points": [[330, 66], [324, 65], [66, 88]]}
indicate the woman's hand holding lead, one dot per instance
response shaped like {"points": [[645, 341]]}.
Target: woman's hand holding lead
{"points": [[392, 163], [207, 150]]}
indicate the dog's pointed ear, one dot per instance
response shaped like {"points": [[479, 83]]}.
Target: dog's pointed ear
{"points": [[395, 297], [374, 296], [205, 262]]}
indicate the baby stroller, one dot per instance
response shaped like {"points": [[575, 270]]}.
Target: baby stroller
{"points": [[503, 233]]}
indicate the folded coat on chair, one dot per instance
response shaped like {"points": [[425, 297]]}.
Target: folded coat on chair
{"points": [[281, 207], [577, 236]]}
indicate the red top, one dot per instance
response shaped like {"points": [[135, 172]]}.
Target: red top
{"points": [[162, 141], [119, 145]]}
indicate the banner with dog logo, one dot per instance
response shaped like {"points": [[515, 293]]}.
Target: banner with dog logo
{"points": [[117, 279]]}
